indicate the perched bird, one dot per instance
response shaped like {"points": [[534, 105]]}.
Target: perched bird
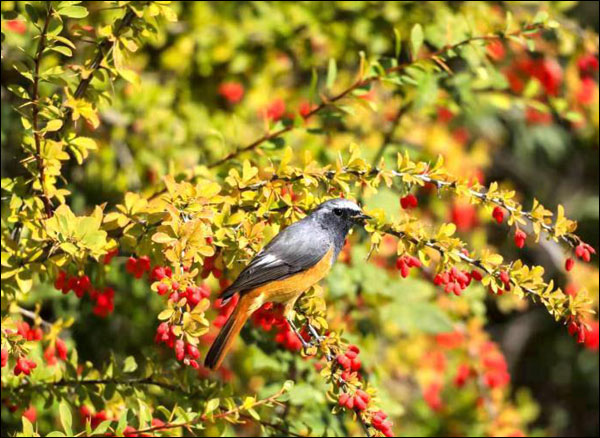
{"points": [[297, 258]]}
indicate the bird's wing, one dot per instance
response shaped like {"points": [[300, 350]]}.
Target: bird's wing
{"points": [[295, 249]]}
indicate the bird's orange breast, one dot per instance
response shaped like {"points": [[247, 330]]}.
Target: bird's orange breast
{"points": [[281, 291]]}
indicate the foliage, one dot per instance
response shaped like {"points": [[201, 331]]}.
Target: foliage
{"points": [[161, 145]]}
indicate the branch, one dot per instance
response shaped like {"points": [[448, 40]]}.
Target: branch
{"points": [[102, 50], [35, 96], [64, 383], [360, 82]]}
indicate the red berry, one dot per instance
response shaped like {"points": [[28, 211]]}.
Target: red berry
{"points": [[409, 201], [360, 404], [31, 414], [504, 278], [61, 349], [569, 264], [275, 110], [498, 214], [231, 91], [109, 255], [343, 399], [4, 357], [476, 275], [520, 238], [131, 265], [162, 288], [179, 349], [192, 351], [143, 263]]}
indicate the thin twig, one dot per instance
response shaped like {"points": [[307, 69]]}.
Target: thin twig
{"points": [[35, 111]]}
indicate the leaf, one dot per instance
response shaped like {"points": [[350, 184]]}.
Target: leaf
{"points": [[331, 73], [416, 39], [74, 12], [130, 365], [165, 314], [65, 417], [54, 125], [63, 50], [398, 43], [211, 405]]}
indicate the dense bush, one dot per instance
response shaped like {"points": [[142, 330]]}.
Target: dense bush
{"points": [[150, 149]]}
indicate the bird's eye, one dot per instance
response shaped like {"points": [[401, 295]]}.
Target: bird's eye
{"points": [[338, 211]]}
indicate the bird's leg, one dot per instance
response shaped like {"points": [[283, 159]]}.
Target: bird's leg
{"points": [[305, 345], [317, 338]]}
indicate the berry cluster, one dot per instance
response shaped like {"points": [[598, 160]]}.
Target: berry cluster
{"points": [[587, 66], [110, 255], [270, 317], [432, 396], [209, 267], [454, 281], [275, 110], [94, 419], [359, 401], [103, 300], [463, 372], [409, 201], [58, 347], [184, 352], [495, 369], [24, 366], [404, 263], [138, 267], [584, 252], [584, 333], [29, 333], [4, 357], [349, 361], [78, 284], [547, 71], [380, 422], [187, 353]]}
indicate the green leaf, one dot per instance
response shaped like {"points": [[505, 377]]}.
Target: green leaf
{"points": [[63, 50], [130, 365], [211, 405], [398, 43], [331, 73], [102, 427], [416, 39], [74, 12], [54, 125], [65, 417]]}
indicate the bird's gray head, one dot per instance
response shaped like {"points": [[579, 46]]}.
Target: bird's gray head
{"points": [[340, 214]]}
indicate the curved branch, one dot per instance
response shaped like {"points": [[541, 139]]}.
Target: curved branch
{"points": [[360, 82]]}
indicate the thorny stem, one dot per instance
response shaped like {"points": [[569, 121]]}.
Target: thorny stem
{"points": [[570, 239], [316, 341]]}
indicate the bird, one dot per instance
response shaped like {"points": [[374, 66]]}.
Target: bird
{"points": [[293, 261]]}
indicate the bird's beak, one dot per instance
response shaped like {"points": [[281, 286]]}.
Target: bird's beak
{"points": [[360, 218]]}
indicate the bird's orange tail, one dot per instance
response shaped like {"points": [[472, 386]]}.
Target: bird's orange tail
{"points": [[230, 330]]}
